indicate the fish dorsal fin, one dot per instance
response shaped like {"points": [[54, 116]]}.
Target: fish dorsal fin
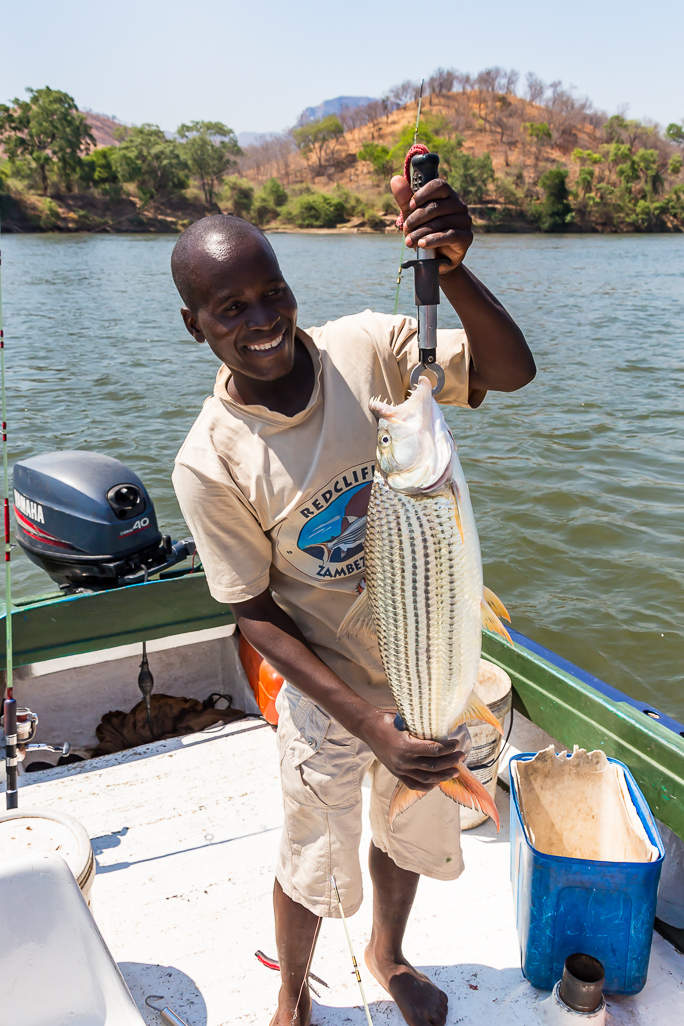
{"points": [[476, 710], [492, 622], [359, 620], [495, 603], [457, 511]]}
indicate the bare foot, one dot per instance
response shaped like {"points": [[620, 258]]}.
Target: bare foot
{"points": [[290, 1012], [418, 999]]}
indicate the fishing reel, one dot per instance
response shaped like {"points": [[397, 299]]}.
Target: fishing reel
{"points": [[27, 725]]}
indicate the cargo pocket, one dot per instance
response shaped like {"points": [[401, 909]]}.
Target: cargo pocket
{"points": [[319, 766]]}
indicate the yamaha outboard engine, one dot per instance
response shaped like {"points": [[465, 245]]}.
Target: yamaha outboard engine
{"points": [[88, 521]]}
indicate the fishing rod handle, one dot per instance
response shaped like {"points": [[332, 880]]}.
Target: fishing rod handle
{"points": [[424, 169]]}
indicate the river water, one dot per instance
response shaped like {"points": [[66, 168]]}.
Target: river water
{"points": [[577, 481]]}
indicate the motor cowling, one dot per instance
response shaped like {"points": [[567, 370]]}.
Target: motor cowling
{"points": [[88, 521]]}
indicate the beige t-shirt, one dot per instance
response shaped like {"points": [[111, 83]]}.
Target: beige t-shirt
{"points": [[280, 502]]}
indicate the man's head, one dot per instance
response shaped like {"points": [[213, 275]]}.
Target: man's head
{"points": [[235, 296]]}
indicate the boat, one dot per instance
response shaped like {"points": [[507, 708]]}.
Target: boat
{"points": [[185, 830]]}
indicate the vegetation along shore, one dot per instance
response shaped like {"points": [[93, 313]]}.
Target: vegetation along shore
{"points": [[529, 157]]}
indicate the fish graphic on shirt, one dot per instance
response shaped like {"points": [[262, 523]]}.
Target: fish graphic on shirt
{"points": [[339, 537]]}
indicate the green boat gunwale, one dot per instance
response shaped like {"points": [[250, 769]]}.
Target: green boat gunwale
{"points": [[548, 690]]}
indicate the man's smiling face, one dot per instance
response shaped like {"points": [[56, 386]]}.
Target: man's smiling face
{"points": [[244, 309]]}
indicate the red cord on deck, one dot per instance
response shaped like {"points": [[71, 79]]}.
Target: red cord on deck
{"points": [[415, 149]]}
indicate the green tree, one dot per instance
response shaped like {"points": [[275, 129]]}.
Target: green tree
{"points": [[675, 164], [44, 132], [675, 133], [98, 170], [268, 201], [404, 142], [315, 136], [238, 195], [209, 150], [275, 192], [650, 171], [149, 160], [555, 208], [378, 156], [469, 176], [314, 210]]}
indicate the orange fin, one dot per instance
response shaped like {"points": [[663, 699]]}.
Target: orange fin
{"points": [[495, 604], [402, 799], [466, 789], [477, 710], [457, 512], [492, 622]]}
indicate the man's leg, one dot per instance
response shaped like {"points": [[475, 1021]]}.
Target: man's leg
{"points": [[394, 889], [295, 934]]}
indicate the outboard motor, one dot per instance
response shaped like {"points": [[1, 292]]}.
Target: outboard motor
{"points": [[88, 521]]}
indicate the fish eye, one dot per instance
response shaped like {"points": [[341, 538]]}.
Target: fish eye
{"points": [[385, 440]]}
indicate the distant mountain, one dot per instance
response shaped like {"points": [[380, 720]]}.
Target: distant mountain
{"points": [[332, 107]]}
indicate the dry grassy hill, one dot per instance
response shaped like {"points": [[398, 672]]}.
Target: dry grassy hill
{"points": [[488, 122], [103, 128]]}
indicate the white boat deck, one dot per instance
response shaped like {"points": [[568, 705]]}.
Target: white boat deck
{"points": [[185, 833]]}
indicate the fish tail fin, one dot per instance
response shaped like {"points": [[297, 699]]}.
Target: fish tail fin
{"points": [[402, 799], [359, 619], [466, 789], [476, 709], [495, 604], [492, 622]]}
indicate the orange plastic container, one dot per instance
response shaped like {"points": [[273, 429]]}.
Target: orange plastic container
{"points": [[264, 681]]}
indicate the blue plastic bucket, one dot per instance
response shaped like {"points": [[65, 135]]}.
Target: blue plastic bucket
{"points": [[567, 905]]}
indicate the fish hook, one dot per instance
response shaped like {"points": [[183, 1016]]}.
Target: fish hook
{"points": [[153, 997]]}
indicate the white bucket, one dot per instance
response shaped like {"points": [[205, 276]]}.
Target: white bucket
{"points": [[494, 688], [38, 832]]}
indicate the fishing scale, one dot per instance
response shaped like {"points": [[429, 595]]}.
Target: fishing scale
{"points": [[424, 169]]}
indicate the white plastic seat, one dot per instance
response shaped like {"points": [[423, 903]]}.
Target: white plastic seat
{"points": [[55, 968]]}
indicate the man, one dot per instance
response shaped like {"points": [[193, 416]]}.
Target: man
{"points": [[273, 481]]}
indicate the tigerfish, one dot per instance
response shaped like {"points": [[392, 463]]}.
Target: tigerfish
{"points": [[425, 599]]}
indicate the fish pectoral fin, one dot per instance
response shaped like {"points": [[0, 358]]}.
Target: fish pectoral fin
{"points": [[477, 710], [457, 512], [402, 799], [492, 622], [359, 619], [495, 604], [465, 789]]}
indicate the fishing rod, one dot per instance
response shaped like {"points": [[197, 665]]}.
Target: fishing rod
{"points": [[351, 951], [403, 237], [9, 705]]}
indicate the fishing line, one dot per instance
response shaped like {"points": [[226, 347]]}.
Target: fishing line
{"points": [[10, 705], [306, 971], [403, 237]]}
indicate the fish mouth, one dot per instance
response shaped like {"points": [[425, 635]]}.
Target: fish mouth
{"points": [[415, 399]]}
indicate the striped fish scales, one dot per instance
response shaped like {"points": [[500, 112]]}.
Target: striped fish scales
{"points": [[425, 587], [425, 600]]}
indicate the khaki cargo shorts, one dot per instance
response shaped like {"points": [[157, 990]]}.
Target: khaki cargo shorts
{"points": [[322, 767]]}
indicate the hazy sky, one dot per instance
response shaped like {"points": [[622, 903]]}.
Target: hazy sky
{"points": [[256, 64]]}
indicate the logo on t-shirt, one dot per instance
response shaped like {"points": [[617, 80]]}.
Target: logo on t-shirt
{"points": [[324, 537]]}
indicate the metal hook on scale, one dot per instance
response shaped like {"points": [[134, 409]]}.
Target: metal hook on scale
{"points": [[425, 168], [166, 1013]]}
